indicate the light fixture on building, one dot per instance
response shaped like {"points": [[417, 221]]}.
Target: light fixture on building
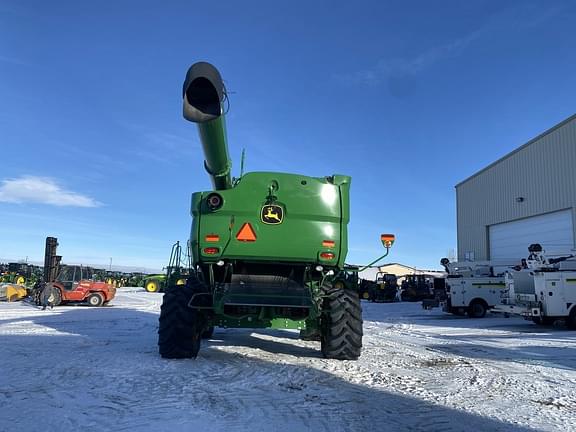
{"points": [[519, 199]]}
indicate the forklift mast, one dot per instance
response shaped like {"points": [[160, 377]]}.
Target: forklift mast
{"points": [[51, 260]]}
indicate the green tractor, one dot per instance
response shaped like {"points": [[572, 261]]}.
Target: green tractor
{"points": [[17, 273], [268, 249], [176, 272], [154, 282]]}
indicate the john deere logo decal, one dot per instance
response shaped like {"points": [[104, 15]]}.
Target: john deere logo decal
{"points": [[272, 214]]}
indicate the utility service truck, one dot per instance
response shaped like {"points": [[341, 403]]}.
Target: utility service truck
{"points": [[473, 287], [542, 289]]}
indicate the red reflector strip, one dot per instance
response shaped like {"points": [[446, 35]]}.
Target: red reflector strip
{"points": [[246, 233], [211, 250], [212, 238], [328, 243], [327, 255]]}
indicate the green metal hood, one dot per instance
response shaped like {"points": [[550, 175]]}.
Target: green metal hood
{"points": [[291, 218]]}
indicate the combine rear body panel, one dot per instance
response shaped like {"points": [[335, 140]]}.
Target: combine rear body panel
{"points": [[305, 217], [268, 248]]}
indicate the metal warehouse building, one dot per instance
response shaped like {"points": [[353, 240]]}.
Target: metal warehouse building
{"points": [[528, 196]]}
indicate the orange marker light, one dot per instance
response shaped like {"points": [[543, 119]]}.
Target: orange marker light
{"points": [[388, 239], [246, 233], [328, 243], [212, 238]]}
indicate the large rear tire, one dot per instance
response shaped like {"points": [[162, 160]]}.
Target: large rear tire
{"points": [[181, 327], [341, 326]]}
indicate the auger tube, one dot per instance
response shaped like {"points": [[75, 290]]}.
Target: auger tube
{"points": [[203, 95]]}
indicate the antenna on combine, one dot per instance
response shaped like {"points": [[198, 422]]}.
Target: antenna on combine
{"points": [[242, 162]]}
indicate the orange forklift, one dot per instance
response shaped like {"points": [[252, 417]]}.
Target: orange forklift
{"points": [[63, 284]]}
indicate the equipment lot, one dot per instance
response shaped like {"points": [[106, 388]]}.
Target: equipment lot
{"points": [[77, 367]]}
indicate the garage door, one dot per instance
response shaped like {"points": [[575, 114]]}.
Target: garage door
{"points": [[554, 231]]}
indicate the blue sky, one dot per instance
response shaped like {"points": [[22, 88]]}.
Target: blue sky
{"points": [[407, 97]]}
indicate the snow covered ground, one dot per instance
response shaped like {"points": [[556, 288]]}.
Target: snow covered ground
{"points": [[92, 369]]}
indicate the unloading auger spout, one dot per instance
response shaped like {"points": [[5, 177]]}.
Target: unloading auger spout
{"points": [[204, 95]]}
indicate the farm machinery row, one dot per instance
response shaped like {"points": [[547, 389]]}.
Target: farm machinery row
{"points": [[18, 279], [388, 288], [56, 283]]}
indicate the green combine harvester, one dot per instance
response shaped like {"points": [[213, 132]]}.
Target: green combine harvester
{"points": [[268, 249]]}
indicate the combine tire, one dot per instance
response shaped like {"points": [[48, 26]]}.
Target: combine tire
{"points": [[181, 328], [208, 333], [341, 329], [477, 309], [152, 285], [95, 300]]}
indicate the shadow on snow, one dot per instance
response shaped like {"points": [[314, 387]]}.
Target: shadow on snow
{"points": [[102, 371]]}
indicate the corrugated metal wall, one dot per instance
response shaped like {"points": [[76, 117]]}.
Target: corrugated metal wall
{"points": [[542, 172]]}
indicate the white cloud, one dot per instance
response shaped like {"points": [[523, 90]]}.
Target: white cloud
{"points": [[11, 60], [512, 19], [43, 190], [384, 69]]}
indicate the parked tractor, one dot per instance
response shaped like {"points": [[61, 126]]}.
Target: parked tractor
{"points": [[154, 282], [69, 283], [416, 287], [265, 247], [385, 289], [135, 279], [17, 273], [176, 272]]}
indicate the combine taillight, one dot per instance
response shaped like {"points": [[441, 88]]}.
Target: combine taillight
{"points": [[327, 255]]}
